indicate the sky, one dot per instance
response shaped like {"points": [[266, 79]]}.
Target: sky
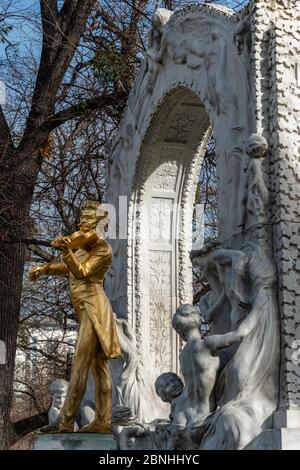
{"points": [[24, 18], [23, 34]]}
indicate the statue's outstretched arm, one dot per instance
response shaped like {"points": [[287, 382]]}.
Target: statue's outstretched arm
{"points": [[217, 342], [54, 268], [57, 269]]}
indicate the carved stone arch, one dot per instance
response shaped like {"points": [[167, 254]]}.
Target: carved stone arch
{"points": [[160, 236], [194, 76]]}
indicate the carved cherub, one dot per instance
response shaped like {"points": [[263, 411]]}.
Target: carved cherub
{"points": [[199, 369], [169, 387], [157, 434]]}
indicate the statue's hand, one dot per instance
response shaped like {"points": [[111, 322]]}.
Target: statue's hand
{"points": [[62, 243], [36, 272]]}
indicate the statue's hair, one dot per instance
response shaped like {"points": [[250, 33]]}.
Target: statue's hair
{"points": [[257, 141], [95, 206], [159, 383], [58, 384], [90, 205], [195, 312]]}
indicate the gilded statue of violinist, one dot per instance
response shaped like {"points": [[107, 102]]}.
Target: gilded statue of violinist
{"points": [[97, 339]]}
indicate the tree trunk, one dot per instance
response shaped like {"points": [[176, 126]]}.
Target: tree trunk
{"points": [[11, 273], [19, 167], [15, 199]]}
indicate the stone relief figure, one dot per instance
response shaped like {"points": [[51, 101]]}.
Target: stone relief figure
{"points": [[199, 369], [225, 402], [208, 53], [255, 199], [157, 434], [153, 54], [97, 340], [224, 270], [147, 78], [246, 390], [169, 387], [58, 390], [128, 382]]}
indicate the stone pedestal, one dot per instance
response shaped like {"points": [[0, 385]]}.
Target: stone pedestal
{"points": [[285, 434], [277, 439], [75, 441], [286, 419]]}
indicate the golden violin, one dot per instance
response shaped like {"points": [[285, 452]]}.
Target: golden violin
{"points": [[76, 240]]}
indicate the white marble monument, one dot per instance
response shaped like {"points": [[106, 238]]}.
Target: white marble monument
{"points": [[236, 74]]}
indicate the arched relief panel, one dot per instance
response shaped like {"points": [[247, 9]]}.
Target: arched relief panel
{"points": [[194, 49], [161, 233]]}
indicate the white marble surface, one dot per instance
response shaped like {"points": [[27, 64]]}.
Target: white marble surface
{"points": [[286, 419], [207, 66], [193, 76], [277, 439]]}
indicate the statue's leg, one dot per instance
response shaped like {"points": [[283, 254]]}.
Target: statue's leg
{"points": [[103, 394], [86, 346]]}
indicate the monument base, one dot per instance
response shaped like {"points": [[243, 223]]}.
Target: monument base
{"points": [[277, 439], [75, 441], [285, 434]]}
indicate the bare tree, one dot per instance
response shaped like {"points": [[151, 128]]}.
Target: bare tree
{"points": [[82, 64], [20, 163]]}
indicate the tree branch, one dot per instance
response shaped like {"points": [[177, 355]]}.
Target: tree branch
{"points": [[40, 252], [60, 41], [35, 140], [49, 14], [27, 425], [78, 109], [27, 241], [66, 11]]}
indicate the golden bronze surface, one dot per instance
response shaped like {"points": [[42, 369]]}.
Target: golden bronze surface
{"points": [[97, 338]]}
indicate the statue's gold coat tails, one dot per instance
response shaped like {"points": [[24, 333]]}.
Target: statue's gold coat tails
{"points": [[86, 275]]}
